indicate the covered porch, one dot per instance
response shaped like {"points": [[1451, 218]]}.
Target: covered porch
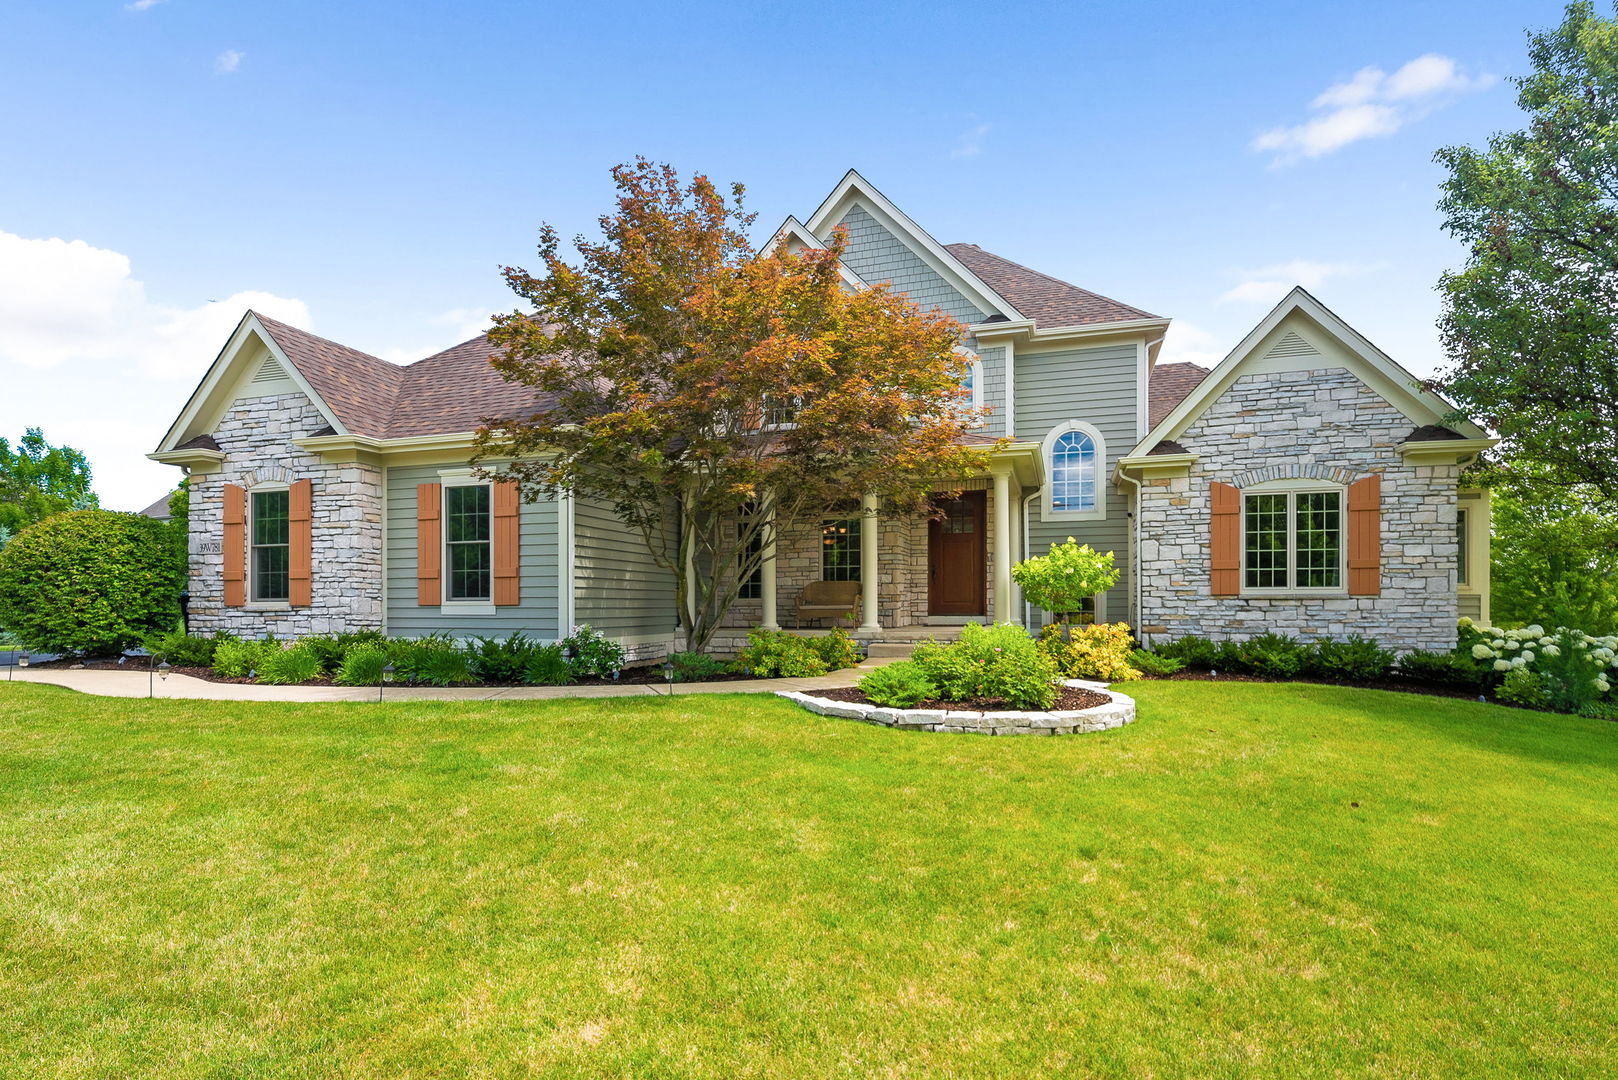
{"points": [[910, 578]]}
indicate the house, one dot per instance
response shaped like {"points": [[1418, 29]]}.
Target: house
{"points": [[1306, 484]]}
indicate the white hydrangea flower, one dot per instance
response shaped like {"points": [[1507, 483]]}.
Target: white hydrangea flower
{"points": [[1502, 665], [1481, 651], [1551, 650], [1527, 656]]}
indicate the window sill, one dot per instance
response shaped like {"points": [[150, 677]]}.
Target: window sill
{"points": [[1296, 594], [267, 605], [1074, 515], [466, 607]]}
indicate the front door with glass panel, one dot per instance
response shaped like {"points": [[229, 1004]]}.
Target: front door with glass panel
{"points": [[957, 557]]}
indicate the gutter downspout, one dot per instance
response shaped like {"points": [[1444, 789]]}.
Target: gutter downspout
{"points": [[1134, 553]]}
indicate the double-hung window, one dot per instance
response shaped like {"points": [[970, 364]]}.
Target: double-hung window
{"points": [[468, 542], [1462, 538], [1293, 540], [752, 586], [272, 537], [840, 550]]}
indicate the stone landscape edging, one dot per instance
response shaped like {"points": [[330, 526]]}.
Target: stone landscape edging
{"points": [[1115, 713]]}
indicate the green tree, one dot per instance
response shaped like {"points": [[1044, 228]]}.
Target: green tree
{"points": [[698, 382], [1530, 324], [1063, 580], [38, 480], [1554, 559]]}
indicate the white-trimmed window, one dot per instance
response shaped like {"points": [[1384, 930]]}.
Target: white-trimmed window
{"points": [[1075, 459], [1294, 537], [269, 523], [468, 543], [840, 549]]}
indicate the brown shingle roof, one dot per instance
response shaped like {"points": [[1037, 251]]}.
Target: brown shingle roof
{"points": [[1048, 301], [199, 442], [1169, 386], [1433, 433], [456, 389], [359, 387]]}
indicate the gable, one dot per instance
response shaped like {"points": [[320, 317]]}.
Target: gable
{"points": [[876, 254], [1301, 335]]}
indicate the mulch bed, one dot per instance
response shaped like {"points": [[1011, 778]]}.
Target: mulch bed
{"points": [[1071, 699], [636, 676]]}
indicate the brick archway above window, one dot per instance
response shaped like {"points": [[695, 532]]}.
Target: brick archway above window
{"points": [[266, 474], [1331, 475]]}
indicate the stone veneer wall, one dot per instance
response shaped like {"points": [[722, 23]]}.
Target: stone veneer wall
{"points": [[256, 436], [1323, 423]]}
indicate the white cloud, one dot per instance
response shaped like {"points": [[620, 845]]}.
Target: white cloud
{"points": [[227, 62], [142, 5], [1268, 284], [971, 141], [88, 356], [1188, 343], [465, 323], [1369, 104]]}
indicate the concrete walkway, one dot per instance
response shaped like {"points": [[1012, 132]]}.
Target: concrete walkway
{"points": [[134, 684]]}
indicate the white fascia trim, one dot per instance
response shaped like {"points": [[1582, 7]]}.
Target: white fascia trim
{"points": [[1430, 407], [854, 187], [1143, 389], [793, 229], [224, 365], [1010, 347]]}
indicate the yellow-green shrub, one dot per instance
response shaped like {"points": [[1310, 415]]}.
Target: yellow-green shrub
{"points": [[1097, 651]]}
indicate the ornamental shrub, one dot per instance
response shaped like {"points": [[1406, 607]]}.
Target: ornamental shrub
{"points": [[1270, 656], [837, 649], [593, 653], [1441, 669], [1574, 666], [1097, 651], [233, 659], [362, 665], [695, 666], [545, 667], [776, 654], [291, 664], [500, 659], [185, 650], [999, 663], [436, 659], [1062, 581], [1522, 687], [1573, 677], [1154, 664], [1197, 653], [90, 582], [899, 686], [1354, 659]]}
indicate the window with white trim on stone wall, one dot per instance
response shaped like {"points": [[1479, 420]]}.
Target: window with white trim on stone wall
{"points": [[269, 524], [840, 550], [1294, 538], [1075, 458]]}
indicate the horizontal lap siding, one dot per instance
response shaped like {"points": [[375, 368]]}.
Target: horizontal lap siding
{"points": [[1098, 387], [620, 590], [536, 614]]}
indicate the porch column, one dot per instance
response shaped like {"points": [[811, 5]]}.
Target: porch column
{"points": [[1004, 610], [870, 571], [766, 571]]}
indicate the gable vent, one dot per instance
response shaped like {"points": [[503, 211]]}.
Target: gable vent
{"points": [[1292, 345], [269, 371]]}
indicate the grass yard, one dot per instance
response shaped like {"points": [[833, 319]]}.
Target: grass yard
{"points": [[1253, 880]]}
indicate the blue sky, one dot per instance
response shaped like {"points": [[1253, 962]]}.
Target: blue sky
{"points": [[364, 168]]}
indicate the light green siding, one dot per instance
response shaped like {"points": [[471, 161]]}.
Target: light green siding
{"points": [[1469, 605], [1096, 386], [536, 615], [620, 590], [876, 255], [992, 394]]}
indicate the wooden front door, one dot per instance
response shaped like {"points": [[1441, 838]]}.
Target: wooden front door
{"points": [[957, 557]]}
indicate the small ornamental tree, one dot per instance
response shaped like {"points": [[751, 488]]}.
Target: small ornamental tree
{"points": [[90, 582], [1062, 581], [702, 388]]}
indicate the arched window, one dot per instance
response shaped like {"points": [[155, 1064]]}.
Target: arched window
{"points": [[1074, 457]]}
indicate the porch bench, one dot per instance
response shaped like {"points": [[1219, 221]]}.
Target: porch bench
{"points": [[827, 600]]}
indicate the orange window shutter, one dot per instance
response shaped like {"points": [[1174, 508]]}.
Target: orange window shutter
{"points": [[300, 543], [507, 543], [429, 544], [1224, 540], [235, 545], [1365, 537]]}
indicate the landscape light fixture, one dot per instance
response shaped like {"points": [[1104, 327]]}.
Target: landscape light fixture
{"points": [[668, 673], [387, 677]]}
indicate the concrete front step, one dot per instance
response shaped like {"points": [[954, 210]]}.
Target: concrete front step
{"points": [[891, 648]]}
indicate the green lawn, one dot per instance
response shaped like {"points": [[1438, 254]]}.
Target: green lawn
{"points": [[1253, 880]]}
